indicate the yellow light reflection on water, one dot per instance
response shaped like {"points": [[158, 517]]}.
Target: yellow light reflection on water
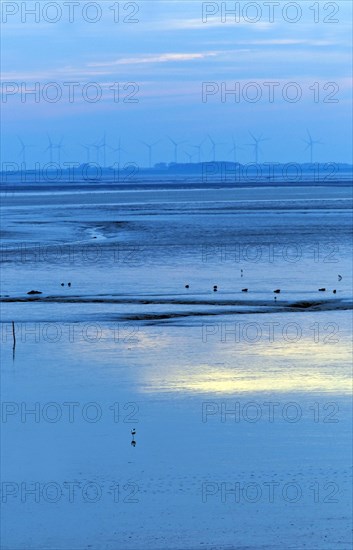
{"points": [[229, 382], [295, 367], [157, 362]]}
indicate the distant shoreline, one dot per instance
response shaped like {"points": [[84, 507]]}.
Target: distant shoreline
{"points": [[140, 185]]}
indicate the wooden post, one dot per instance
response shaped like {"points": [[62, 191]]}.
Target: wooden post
{"points": [[14, 340]]}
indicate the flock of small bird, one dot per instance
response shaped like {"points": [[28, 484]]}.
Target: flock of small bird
{"points": [[215, 287], [277, 291]]}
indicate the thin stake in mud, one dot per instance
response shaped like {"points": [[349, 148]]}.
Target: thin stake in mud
{"points": [[133, 433], [14, 340]]}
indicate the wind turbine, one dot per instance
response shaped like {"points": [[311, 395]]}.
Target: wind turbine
{"points": [[97, 147], [189, 156], [118, 150], [213, 147], [102, 144], [104, 147], [23, 149], [53, 146], [50, 149], [176, 145], [59, 147], [149, 147], [310, 145], [256, 145], [199, 150], [234, 150]]}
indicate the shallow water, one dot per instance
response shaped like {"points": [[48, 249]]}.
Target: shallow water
{"points": [[230, 392]]}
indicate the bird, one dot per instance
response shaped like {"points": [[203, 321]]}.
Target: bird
{"points": [[62, 284], [334, 291], [278, 291], [340, 277], [245, 289], [133, 433], [187, 286], [215, 289], [68, 284], [322, 289]]}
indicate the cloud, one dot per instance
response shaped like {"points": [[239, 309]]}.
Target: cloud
{"points": [[214, 22], [288, 42], [160, 58]]}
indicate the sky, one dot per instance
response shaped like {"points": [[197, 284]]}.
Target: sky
{"points": [[152, 70]]}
